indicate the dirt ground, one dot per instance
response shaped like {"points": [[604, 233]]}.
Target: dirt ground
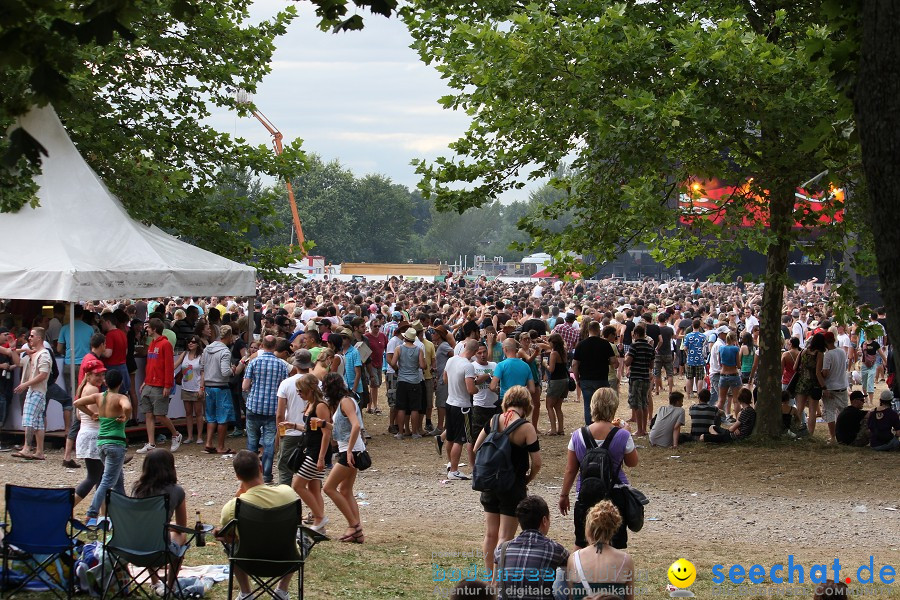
{"points": [[710, 504]]}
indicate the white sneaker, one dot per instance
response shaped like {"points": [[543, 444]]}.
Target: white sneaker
{"points": [[282, 594], [176, 442], [458, 476], [147, 448]]}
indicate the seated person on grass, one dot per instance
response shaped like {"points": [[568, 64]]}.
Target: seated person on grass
{"points": [[666, 429], [739, 430], [704, 414], [851, 428]]}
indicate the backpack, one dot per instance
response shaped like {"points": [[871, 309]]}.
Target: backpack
{"points": [[868, 359], [493, 470], [598, 475], [54, 368]]}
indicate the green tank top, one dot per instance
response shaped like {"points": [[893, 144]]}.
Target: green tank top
{"points": [[747, 363], [112, 431]]}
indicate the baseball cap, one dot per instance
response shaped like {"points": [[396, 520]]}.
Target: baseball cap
{"points": [[4, 330], [722, 329], [710, 321], [95, 367], [795, 312], [857, 395], [886, 397], [397, 315]]}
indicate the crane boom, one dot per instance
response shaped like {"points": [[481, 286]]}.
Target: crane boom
{"points": [[276, 142]]}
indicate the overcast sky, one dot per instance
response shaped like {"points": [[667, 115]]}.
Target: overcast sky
{"points": [[363, 97]]}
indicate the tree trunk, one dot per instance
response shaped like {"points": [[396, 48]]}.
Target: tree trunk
{"points": [[768, 406], [877, 106]]}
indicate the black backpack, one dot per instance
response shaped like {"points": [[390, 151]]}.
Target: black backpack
{"points": [[598, 473], [493, 470]]}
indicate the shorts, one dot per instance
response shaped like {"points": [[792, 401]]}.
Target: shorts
{"points": [[637, 393], [409, 397], [428, 394], [33, 410], [440, 395], [74, 428], [154, 401], [480, 417], [731, 381], [504, 503], [391, 380], [375, 376], [692, 372], [745, 378], [126, 377], [219, 407], [341, 458], [558, 388], [834, 401], [663, 361], [308, 470], [187, 396], [459, 425]]}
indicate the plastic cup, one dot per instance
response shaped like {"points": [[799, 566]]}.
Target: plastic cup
{"points": [[313, 423], [282, 429]]}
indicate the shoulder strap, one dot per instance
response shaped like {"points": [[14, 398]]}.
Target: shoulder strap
{"points": [[581, 576], [495, 422], [501, 570], [515, 425], [609, 437], [588, 438]]}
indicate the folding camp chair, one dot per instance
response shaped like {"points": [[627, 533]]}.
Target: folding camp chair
{"points": [[265, 546], [140, 537], [38, 530]]}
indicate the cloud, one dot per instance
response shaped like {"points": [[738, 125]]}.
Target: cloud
{"points": [[409, 141]]}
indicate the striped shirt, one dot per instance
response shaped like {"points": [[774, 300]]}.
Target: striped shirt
{"points": [[265, 372], [642, 357], [702, 417]]}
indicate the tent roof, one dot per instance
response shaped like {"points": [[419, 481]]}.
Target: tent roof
{"points": [[80, 244]]}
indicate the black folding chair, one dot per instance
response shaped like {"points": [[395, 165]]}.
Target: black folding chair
{"points": [[265, 546], [38, 523], [140, 537]]}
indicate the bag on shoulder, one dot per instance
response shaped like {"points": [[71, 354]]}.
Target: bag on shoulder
{"points": [[493, 470], [598, 475], [630, 503], [868, 359]]}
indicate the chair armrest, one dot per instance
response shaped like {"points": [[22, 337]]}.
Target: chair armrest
{"points": [[228, 529], [180, 529], [76, 524]]}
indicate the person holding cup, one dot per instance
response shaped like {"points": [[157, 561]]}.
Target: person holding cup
{"points": [[307, 481]]}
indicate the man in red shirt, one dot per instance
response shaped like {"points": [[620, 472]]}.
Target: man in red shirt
{"points": [[116, 347], [377, 342], [159, 378]]}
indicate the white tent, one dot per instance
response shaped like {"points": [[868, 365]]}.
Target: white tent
{"points": [[80, 244]]}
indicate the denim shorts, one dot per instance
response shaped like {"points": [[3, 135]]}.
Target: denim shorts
{"points": [[219, 407], [730, 381]]}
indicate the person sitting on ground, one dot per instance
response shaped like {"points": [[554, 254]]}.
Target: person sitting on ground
{"points": [[790, 416], [666, 428], [158, 477], [248, 470], [600, 568], [704, 414], [740, 429], [530, 552], [851, 428], [884, 424]]}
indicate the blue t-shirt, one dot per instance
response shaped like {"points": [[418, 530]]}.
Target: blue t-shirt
{"points": [[728, 356], [512, 371], [693, 343], [83, 333], [351, 361]]}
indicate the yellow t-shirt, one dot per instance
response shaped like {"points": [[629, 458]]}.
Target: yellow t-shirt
{"points": [[261, 496], [429, 358]]}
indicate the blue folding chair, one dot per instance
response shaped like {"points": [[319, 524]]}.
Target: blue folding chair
{"points": [[38, 529], [140, 537]]}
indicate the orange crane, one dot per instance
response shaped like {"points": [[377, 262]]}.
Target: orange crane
{"points": [[243, 97]]}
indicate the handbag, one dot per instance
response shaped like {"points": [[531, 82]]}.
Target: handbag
{"points": [[792, 384], [362, 460], [572, 384], [630, 503], [298, 454]]}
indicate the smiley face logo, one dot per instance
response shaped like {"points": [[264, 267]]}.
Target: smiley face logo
{"points": [[682, 573]]}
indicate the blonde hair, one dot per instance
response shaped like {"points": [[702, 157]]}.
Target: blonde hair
{"points": [[602, 522], [179, 314], [604, 404], [309, 384], [325, 357], [517, 396], [731, 338]]}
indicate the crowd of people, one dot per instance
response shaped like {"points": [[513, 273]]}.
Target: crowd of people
{"points": [[458, 360]]}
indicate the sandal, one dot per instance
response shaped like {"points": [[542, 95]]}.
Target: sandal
{"points": [[209, 449], [227, 451], [353, 537], [310, 519]]}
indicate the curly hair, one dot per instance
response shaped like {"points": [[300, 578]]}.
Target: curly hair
{"points": [[335, 389], [602, 522], [517, 396]]}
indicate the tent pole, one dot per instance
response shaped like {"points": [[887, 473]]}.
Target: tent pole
{"points": [[251, 324], [73, 377]]}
